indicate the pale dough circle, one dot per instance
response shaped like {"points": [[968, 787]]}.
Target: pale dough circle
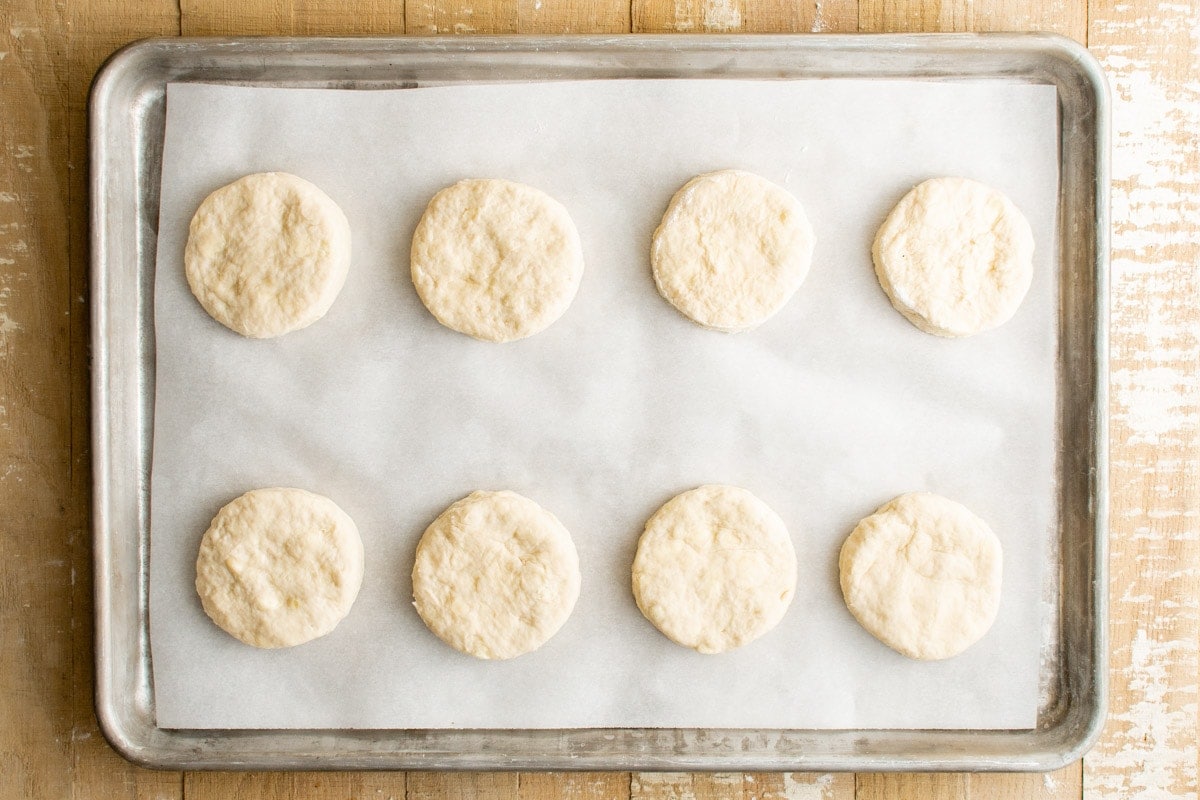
{"points": [[731, 250], [955, 257], [267, 254], [715, 569], [496, 260], [279, 567], [496, 575], [922, 574]]}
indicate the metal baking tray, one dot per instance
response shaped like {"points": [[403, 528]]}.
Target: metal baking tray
{"points": [[127, 112]]}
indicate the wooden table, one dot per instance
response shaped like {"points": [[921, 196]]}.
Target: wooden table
{"points": [[49, 51]]}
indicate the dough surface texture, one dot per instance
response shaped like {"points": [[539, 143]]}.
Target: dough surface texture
{"points": [[496, 575], [922, 574], [279, 567], [496, 260], [715, 569], [731, 250], [955, 257], [267, 254]]}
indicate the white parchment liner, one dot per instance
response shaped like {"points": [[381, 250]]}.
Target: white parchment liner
{"points": [[825, 412]]}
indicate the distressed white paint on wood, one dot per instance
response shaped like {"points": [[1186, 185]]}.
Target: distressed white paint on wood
{"points": [[1149, 752], [746, 786], [805, 786], [1152, 57]]}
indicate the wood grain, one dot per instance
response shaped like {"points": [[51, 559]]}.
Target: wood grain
{"points": [[744, 16], [463, 785], [573, 785], [1060, 785], [35, 434], [296, 785], [469, 16], [581, 16], [741, 786], [1069, 18], [1152, 56], [290, 17]]}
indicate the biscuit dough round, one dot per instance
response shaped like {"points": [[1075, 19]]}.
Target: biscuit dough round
{"points": [[922, 574], [955, 257], [496, 260], [731, 250], [496, 575], [279, 567], [715, 569], [267, 254]]}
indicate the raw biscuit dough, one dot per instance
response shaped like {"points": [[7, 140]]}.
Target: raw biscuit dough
{"points": [[279, 567], [922, 574], [715, 569], [496, 260], [731, 250], [955, 257], [496, 575], [267, 254]]}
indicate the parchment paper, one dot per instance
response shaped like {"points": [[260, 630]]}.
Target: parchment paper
{"points": [[825, 412]]}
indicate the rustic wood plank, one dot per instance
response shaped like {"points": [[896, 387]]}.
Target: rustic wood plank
{"points": [[689, 16], [1151, 52], [261, 785], [783, 16], [579, 16], [295, 785], [804, 786], [1068, 18], [927, 786], [686, 786], [573, 785], [463, 785], [339, 18], [744, 16], [35, 558], [1063, 784], [461, 16]]}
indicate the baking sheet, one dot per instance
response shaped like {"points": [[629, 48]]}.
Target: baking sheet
{"points": [[826, 411]]}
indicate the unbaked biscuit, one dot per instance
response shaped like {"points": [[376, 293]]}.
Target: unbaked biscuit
{"points": [[715, 569], [731, 250], [496, 260], [267, 254], [955, 257], [279, 567], [922, 574], [495, 575]]}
